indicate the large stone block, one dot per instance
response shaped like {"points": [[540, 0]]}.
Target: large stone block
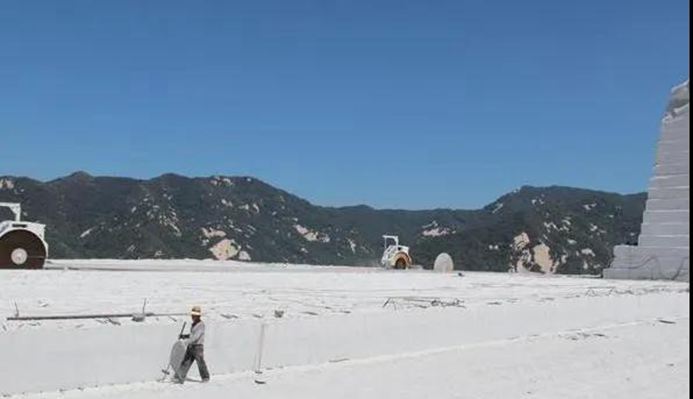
{"points": [[672, 126], [625, 251], [664, 242], [682, 180], [667, 204], [672, 145], [674, 134], [677, 216], [672, 157], [674, 168], [669, 193], [665, 229], [644, 263]]}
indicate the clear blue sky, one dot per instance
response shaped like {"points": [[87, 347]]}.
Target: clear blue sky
{"points": [[405, 104]]}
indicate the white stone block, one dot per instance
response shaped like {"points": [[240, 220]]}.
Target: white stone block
{"points": [[671, 157], [634, 262], [679, 168], [664, 241], [669, 193], [672, 146], [667, 204], [670, 181], [654, 217], [665, 229]]}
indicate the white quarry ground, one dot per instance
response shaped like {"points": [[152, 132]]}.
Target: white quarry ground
{"points": [[636, 360], [344, 333], [238, 290]]}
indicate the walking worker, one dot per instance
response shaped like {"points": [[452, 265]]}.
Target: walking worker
{"points": [[195, 347]]}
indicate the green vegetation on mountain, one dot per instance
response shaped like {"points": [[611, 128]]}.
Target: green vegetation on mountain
{"points": [[551, 229]]}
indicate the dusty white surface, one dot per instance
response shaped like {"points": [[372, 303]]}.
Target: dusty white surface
{"points": [[409, 334], [637, 360], [230, 290]]}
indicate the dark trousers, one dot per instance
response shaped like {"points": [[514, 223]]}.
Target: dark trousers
{"points": [[195, 353]]}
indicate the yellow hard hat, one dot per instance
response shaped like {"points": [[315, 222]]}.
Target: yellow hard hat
{"points": [[196, 311]]}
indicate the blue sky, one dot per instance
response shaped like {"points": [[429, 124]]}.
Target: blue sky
{"points": [[395, 104]]}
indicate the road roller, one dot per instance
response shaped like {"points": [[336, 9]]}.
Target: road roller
{"points": [[395, 256], [22, 244]]}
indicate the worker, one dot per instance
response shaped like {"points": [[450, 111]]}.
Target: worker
{"points": [[195, 347]]}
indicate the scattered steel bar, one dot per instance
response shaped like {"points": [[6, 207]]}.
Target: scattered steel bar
{"points": [[89, 316]]}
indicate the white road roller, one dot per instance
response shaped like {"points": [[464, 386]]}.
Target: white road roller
{"points": [[395, 256], [22, 244]]}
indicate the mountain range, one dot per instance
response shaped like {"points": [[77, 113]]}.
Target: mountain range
{"points": [[542, 229]]}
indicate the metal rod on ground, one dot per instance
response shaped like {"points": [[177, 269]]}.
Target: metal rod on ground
{"points": [[88, 316], [140, 317], [259, 379]]}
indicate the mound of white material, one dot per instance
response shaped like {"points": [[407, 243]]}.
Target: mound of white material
{"points": [[443, 263]]}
